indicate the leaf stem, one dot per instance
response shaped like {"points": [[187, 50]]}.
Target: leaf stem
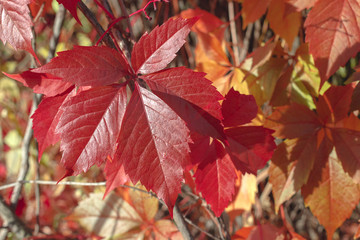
{"points": [[108, 13]]}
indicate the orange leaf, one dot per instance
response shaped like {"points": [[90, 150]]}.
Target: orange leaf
{"points": [[252, 10], [290, 167], [208, 23], [313, 137], [284, 20], [330, 193], [333, 34], [246, 194]]}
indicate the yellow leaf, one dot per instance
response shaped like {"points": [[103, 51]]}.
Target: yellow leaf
{"points": [[107, 218], [246, 195]]}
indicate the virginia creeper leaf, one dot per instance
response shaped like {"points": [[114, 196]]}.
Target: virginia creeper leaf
{"points": [[293, 122], [245, 196], [250, 147], [333, 34], [15, 24], [107, 218], [330, 193], [89, 127], [71, 5], [347, 145], [215, 178], [197, 105], [176, 81], [46, 118], [238, 109], [333, 106], [115, 175], [253, 9], [41, 82], [154, 51], [290, 167], [284, 20], [330, 127], [213, 48], [165, 229], [207, 23], [153, 145], [88, 66]]}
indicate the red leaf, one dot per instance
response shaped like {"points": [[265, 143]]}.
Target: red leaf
{"points": [[115, 176], [46, 118], [15, 24], [177, 81], [250, 147], [41, 82], [71, 5], [88, 66], [89, 127], [153, 145], [238, 109], [215, 178], [333, 34], [197, 105], [154, 51]]}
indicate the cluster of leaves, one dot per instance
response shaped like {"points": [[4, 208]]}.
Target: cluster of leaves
{"points": [[164, 126]]}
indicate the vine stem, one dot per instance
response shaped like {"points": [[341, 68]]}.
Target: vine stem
{"points": [[181, 224], [142, 10], [233, 32], [92, 19]]}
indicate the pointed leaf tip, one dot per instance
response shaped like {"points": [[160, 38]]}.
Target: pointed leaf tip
{"points": [[154, 51], [88, 66], [15, 24], [71, 6]]}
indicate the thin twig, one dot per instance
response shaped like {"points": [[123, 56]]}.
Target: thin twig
{"points": [[92, 19], [14, 224], [200, 229], [37, 197], [54, 40], [264, 174], [24, 158], [224, 226], [265, 193], [215, 221], [246, 42], [233, 32], [125, 13], [257, 31], [44, 182], [180, 223]]}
